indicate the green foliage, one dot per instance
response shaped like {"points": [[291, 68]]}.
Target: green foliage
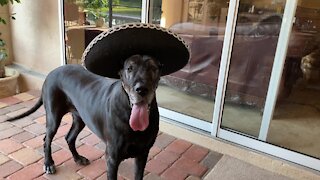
{"points": [[5, 2], [95, 4], [3, 50]]}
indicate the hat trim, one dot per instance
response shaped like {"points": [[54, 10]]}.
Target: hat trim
{"points": [[129, 26]]}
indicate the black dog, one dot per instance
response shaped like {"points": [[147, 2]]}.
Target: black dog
{"points": [[123, 113]]}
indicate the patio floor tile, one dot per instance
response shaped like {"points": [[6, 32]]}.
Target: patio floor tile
{"points": [[25, 156], [29, 172], [24, 96], [21, 150], [10, 100], [9, 167], [22, 137], [8, 146]]}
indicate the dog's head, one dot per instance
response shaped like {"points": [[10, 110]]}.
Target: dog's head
{"points": [[140, 76]]}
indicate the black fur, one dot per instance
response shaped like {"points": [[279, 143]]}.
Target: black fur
{"points": [[104, 105]]}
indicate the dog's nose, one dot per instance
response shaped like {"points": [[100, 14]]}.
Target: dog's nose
{"points": [[141, 90]]}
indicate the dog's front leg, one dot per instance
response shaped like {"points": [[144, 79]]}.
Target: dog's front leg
{"points": [[140, 165]]}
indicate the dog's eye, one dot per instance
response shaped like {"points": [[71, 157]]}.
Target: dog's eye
{"points": [[129, 69]]}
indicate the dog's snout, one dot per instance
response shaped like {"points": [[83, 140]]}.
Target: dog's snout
{"points": [[141, 90]]}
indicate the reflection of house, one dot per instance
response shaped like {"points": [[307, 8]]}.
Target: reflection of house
{"points": [[247, 75], [253, 53]]}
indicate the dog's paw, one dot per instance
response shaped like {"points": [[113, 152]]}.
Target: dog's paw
{"points": [[82, 161], [50, 169]]}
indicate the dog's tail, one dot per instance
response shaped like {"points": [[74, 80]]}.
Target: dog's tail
{"points": [[30, 111]]}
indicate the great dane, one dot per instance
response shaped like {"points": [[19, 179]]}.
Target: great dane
{"points": [[121, 112]]}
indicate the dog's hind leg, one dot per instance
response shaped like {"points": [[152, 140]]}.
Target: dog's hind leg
{"points": [[52, 124], [77, 126]]}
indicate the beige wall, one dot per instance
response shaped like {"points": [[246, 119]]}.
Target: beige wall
{"points": [[35, 35], [6, 31], [172, 12]]}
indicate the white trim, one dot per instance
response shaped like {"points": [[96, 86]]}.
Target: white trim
{"points": [[62, 33], [224, 65], [184, 119], [277, 68], [150, 12], [145, 11], [279, 152]]}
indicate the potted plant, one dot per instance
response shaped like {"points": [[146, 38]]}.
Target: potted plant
{"points": [[8, 76]]}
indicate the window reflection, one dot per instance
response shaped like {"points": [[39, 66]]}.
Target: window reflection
{"points": [[254, 46], [201, 23], [295, 122], [85, 19]]}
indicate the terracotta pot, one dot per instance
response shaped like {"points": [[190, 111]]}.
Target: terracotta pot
{"points": [[9, 84]]}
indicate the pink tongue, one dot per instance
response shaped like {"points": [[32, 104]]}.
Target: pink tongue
{"points": [[139, 119]]}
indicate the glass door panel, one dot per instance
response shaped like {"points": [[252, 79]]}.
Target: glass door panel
{"points": [[296, 120], [201, 23], [155, 11], [254, 46], [85, 19]]}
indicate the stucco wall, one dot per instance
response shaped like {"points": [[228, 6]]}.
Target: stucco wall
{"points": [[35, 35]]}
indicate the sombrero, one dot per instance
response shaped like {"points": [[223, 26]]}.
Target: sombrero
{"points": [[107, 52]]}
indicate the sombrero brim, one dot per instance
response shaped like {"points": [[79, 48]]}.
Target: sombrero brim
{"points": [[106, 53]]}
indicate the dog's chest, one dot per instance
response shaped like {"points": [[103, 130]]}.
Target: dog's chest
{"points": [[134, 146]]}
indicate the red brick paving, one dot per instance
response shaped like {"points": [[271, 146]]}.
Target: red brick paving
{"points": [[9, 168], [8, 146], [21, 146], [10, 100], [29, 172], [22, 137], [174, 174]]}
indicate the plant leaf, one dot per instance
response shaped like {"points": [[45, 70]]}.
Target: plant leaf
{"points": [[3, 21], [3, 2], [3, 55], [2, 43]]}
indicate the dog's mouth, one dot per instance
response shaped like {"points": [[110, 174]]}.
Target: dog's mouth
{"points": [[140, 105], [139, 118]]}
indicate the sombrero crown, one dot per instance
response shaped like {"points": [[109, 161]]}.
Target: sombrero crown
{"points": [[107, 52]]}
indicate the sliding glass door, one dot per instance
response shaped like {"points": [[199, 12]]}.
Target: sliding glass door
{"points": [[269, 82], [295, 123], [254, 45]]}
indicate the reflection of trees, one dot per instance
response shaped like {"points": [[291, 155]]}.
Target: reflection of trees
{"points": [[95, 7]]}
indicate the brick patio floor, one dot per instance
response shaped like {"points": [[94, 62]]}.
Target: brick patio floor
{"points": [[21, 152]]}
